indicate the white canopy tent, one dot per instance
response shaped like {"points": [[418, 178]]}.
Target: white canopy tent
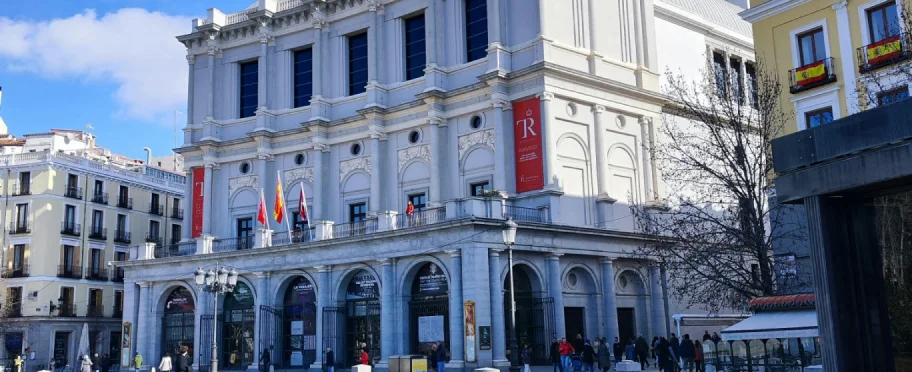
{"points": [[774, 324]]}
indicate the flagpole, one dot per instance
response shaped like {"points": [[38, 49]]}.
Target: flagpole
{"points": [[287, 224]]}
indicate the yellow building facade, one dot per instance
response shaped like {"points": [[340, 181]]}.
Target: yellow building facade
{"points": [[67, 218], [833, 58]]}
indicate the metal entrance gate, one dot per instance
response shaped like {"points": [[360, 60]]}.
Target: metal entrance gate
{"points": [[433, 306], [205, 350], [333, 324], [276, 331], [534, 324], [362, 326]]}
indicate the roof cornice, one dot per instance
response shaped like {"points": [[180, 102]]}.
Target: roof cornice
{"points": [[687, 19], [769, 9]]}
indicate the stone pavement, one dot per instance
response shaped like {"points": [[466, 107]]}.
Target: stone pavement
{"points": [[551, 369]]}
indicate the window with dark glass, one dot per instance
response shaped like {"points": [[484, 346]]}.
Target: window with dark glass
{"points": [[68, 257], [249, 88], [736, 80], [69, 217], [297, 222], [811, 47], [72, 183], [245, 232], [883, 21], [721, 74], [892, 96], [97, 222], [357, 212], [415, 53], [476, 18], [99, 187], [303, 77], [124, 194], [21, 216], [480, 188], [18, 256], [751, 72], [118, 302], [175, 233], [97, 255], [25, 182], [818, 117], [153, 229], [357, 63], [418, 200]]}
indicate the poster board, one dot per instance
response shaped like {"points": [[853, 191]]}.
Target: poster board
{"points": [[430, 328]]}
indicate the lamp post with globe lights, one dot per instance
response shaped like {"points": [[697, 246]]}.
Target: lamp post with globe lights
{"points": [[218, 281], [509, 238]]}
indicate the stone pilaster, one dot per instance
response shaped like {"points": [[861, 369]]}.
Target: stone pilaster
{"points": [[457, 321], [609, 299], [555, 290], [498, 318]]}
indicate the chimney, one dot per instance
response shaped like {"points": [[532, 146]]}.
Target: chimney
{"points": [[148, 155]]}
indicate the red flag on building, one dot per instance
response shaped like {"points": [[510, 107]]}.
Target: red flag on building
{"points": [[302, 204], [261, 211]]}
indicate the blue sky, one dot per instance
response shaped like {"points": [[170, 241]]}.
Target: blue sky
{"points": [[114, 64]]}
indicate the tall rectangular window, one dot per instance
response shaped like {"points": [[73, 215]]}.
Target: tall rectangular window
{"points": [[99, 187], [476, 18], [249, 88], [811, 47], [721, 74], [72, 181], [97, 221], [97, 256], [419, 201], [298, 223], [357, 212], [818, 117], [415, 51], [357, 63], [175, 233], [18, 256], [245, 233], [21, 216], [303, 77], [736, 82], [25, 183], [154, 232], [69, 216], [883, 22], [752, 85], [69, 257]]}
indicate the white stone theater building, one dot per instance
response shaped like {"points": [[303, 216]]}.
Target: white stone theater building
{"points": [[473, 110]]}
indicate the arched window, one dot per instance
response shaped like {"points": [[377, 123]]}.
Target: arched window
{"points": [[237, 328]]}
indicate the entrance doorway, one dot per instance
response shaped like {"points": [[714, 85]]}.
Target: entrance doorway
{"points": [[626, 323], [237, 329], [575, 323], [429, 309], [362, 323], [178, 321], [534, 317]]}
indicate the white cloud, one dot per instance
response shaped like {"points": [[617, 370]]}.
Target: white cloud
{"points": [[132, 48]]}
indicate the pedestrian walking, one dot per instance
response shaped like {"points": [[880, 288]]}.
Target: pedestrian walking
{"points": [[365, 359], [86, 364], [588, 356], [266, 359], [184, 363], [137, 360], [716, 338], [604, 355], [96, 363], [652, 348], [578, 343], [664, 353], [51, 365], [330, 360], [687, 353], [630, 350], [165, 364], [527, 357], [675, 348], [555, 356], [442, 357], [698, 356], [618, 349], [105, 363], [566, 350], [641, 348]]}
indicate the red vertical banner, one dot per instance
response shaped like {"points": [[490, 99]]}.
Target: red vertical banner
{"points": [[527, 145], [199, 176]]}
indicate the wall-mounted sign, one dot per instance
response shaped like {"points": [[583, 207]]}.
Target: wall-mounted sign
{"points": [[180, 300], [484, 337], [469, 312], [199, 176], [363, 286], [126, 343], [430, 281], [527, 145]]}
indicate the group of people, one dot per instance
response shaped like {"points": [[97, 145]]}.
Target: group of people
{"points": [[88, 363], [674, 355], [184, 362], [669, 354]]}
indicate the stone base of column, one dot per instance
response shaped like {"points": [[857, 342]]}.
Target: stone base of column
{"points": [[498, 59], [381, 366], [453, 363], [315, 367], [501, 363], [646, 79], [376, 95]]}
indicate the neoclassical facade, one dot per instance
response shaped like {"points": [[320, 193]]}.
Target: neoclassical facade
{"points": [[473, 111]]}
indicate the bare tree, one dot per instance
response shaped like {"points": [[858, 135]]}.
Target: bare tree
{"points": [[716, 220]]}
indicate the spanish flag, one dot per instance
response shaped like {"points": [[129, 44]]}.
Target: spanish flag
{"points": [[811, 73], [884, 50], [278, 211]]}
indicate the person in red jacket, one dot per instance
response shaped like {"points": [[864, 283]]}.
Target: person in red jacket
{"points": [[565, 351], [365, 360], [698, 358]]}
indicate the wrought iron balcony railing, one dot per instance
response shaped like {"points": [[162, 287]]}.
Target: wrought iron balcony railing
{"points": [[100, 197], [20, 227], [121, 236], [99, 233], [812, 75], [73, 192], [70, 228], [69, 271], [124, 202]]}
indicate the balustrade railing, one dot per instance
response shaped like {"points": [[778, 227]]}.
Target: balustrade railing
{"points": [[421, 218]]}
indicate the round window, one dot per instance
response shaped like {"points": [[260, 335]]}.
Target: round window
{"points": [[299, 159], [571, 109], [414, 137], [245, 167], [622, 281], [571, 279], [476, 122], [356, 149]]}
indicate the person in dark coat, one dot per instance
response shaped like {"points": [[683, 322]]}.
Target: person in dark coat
{"points": [[588, 356], [604, 355], [330, 360], [96, 363], [184, 363], [578, 343], [687, 353], [706, 336], [555, 356], [442, 357], [675, 347], [641, 348], [618, 349], [664, 352], [266, 359]]}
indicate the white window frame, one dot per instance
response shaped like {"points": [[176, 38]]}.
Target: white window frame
{"points": [[815, 100], [863, 18], [793, 36]]}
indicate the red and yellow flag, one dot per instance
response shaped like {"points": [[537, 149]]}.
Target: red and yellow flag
{"points": [[278, 211], [884, 50], [811, 73]]}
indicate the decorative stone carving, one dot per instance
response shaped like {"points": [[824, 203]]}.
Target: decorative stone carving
{"points": [[421, 152], [320, 147], [237, 183], [351, 165], [485, 137], [292, 175], [191, 59]]}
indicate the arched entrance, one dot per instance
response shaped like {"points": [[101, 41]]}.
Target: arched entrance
{"points": [[237, 329], [178, 321], [362, 321], [299, 324], [534, 314], [429, 318], [580, 306]]}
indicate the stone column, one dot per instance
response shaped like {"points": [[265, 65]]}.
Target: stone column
{"points": [[555, 289], [500, 145], [659, 319], [210, 52], [604, 200], [547, 142], [430, 33], [457, 321], [609, 299], [638, 34], [317, 52], [263, 70], [645, 140], [594, 48], [316, 154], [498, 318], [324, 295], [373, 42], [198, 343], [144, 332], [186, 223], [437, 151], [207, 199], [260, 300], [742, 74], [191, 62], [375, 173], [386, 312]]}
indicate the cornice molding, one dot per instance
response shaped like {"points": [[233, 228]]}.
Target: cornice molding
{"points": [[769, 9]]}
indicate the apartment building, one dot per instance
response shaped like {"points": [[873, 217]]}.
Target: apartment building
{"points": [[71, 209]]}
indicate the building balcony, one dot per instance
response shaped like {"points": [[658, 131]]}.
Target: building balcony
{"points": [[98, 233], [232, 244], [100, 197], [16, 272], [177, 213], [355, 228], [20, 227], [884, 53], [69, 271], [95, 273], [21, 190], [95, 311], [121, 236], [153, 238], [176, 249], [123, 202], [73, 192], [66, 310], [811, 76], [70, 228], [157, 209], [118, 275]]}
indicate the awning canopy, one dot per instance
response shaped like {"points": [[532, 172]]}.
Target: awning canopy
{"points": [[774, 324]]}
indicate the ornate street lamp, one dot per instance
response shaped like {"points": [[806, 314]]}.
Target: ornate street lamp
{"points": [[221, 281], [509, 238]]}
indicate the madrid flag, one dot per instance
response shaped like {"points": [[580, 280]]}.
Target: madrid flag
{"points": [[278, 210], [261, 211], [302, 204]]}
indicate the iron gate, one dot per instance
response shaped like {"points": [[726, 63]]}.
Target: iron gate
{"points": [[534, 324], [333, 318], [433, 306], [205, 350], [276, 326], [271, 334], [362, 326]]}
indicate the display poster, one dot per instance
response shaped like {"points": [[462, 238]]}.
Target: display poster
{"points": [[241, 296], [362, 286], [430, 328], [469, 311], [484, 337], [430, 281], [527, 145], [180, 300], [61, 340], [297, 358], [199, 176], [297, 327], [126, 343]]}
